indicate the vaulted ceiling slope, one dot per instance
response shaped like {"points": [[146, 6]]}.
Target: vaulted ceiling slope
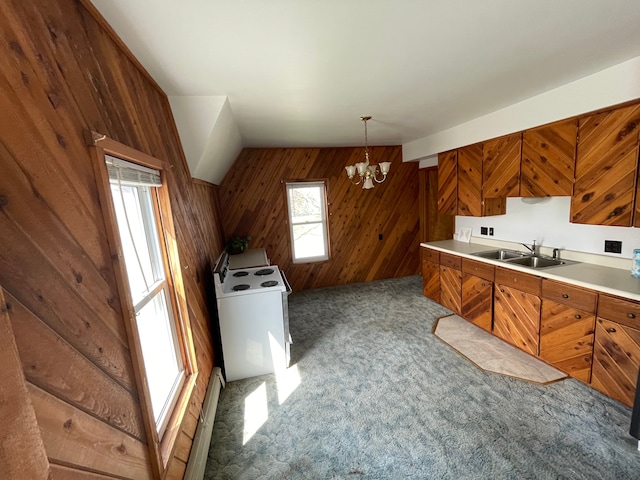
{"points": [[293, 73]]}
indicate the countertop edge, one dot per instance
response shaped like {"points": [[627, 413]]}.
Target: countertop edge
{"points": [[564, 273]]}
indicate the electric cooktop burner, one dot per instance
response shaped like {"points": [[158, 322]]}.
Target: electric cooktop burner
{"points": [[242, 286], [240, 274], [269, 283], [265, 271]]}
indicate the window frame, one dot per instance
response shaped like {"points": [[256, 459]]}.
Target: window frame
{"points": [[160, 446], [325, 218]]}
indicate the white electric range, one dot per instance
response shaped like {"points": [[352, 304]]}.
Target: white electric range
{"points": [[254, 319]]}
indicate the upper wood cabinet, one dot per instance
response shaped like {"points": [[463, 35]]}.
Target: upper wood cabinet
{"points": [[470, 199], [548, 160], [448, 182], [501, 166], [460, 184], [606, 168]]}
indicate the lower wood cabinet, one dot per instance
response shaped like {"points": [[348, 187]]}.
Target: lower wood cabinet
{"points": [[477, 293], [616, 355], [516, 309], [567, 328], [431, 274], [451, 282], [593, 337]]}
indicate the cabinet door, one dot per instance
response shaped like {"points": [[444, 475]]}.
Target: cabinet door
{"points": [[430, 274], [616, 359], [448, 183], [516, 317], [566, 338], [450, 288], [477, 300], [606, 168], [501, 166], [470, 180], [548, 160]]}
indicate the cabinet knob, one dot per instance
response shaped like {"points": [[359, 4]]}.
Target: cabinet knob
{"points": [[631, 315], [578, 316], [502, 290], [483, 284], [611, 330], [565, 295]]}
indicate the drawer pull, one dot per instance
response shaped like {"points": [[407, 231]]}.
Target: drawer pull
{"points": [[631, 315], [611, 330], [565, 295], [578, 316]]}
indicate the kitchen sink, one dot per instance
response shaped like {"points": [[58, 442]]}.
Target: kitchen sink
{"points": [[523, 259], [500, 254], [537, 262]]}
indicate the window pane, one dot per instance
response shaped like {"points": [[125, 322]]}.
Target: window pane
{"points": [[308, 240], [308, 221], [139, 238], [306, 204], [163, 364]]}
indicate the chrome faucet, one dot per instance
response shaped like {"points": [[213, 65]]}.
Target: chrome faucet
{"points": [[556, 254], [531, 248]]}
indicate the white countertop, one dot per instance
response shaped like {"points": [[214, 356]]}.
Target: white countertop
{"points": [[615, 281]]}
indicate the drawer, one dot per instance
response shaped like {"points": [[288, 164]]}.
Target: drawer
{"points": [[479, 269], [518, 280], [452, 261], [430, 255], [570, 295], [626, 312]]}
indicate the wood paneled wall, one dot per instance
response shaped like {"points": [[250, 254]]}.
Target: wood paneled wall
{"points": [[63, 73], [253, 202]]}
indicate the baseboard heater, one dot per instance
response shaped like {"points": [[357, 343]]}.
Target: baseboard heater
{"points": [[202, 439]]}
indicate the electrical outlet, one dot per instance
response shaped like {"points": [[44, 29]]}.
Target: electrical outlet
{"points": [[491, 231], [483, 231], [613, 246]]}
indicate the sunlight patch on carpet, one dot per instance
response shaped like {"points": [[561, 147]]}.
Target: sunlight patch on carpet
{"points": [[256, 412], [492, 354]]}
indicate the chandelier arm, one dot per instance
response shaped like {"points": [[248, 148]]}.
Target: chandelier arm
{"points": [[375, 177]]}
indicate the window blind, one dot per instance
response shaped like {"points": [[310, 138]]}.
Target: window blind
{"points": [[128, 173]]}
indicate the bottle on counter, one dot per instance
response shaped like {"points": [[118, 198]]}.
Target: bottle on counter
{"points": [[635, 263]]}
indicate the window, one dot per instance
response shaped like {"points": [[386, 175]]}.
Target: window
{"points": [[307, 203], [133, 192], [141, 234]]}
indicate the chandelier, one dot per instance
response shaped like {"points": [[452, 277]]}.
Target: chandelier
{"points": [[366, 172]]}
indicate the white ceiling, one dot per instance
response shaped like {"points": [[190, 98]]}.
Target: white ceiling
{"points": [[302, 72]]}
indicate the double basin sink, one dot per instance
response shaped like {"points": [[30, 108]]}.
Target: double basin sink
{"points": [[515, 257]]}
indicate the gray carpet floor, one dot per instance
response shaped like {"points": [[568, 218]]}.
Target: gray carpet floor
{"points": [[380, 397]]}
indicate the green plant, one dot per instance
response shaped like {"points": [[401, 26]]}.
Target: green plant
{"points": [[237, 245]]}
